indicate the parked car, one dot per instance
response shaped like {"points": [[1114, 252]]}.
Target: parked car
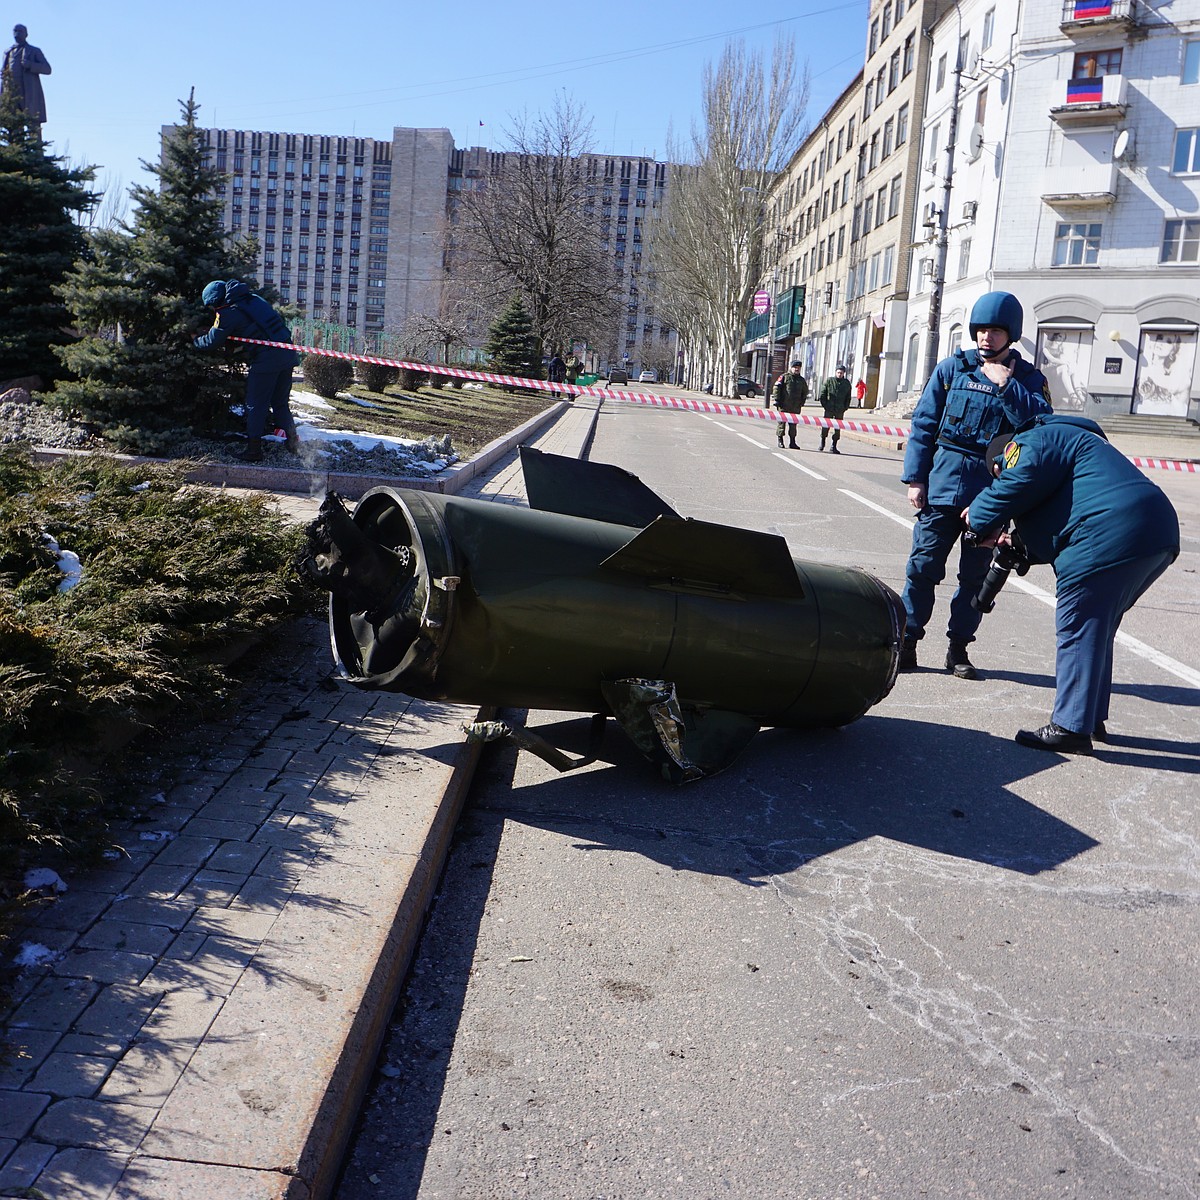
{"points": [[617, 376], [648, 377], [747, 387]]}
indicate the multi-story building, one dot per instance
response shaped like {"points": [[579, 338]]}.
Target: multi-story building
{"points": [[1075, 184], [854, 180], [1099, 203], [354, 231], [806, 250], [963, 133]]}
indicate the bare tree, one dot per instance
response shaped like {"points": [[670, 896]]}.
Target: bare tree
{"points": [[708, 247], [534, 225]]}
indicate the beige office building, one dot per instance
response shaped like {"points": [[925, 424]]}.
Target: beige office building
{"points": [[353, 231]]}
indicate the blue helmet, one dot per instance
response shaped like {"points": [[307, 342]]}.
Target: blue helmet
{"points": [[213, 293], [1001, 309]]}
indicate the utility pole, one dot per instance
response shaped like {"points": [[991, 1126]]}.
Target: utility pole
{"points": [[943, 221]]}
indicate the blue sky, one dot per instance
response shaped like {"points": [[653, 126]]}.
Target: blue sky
{"points": [[357, 69]]}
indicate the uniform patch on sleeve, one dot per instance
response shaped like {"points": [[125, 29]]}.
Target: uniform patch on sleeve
{"points": [[1012, 454], [1046, 394]]}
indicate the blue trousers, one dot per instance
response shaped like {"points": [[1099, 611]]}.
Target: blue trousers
{"points": [[934, 535], [1087, 615], [267, 392]]}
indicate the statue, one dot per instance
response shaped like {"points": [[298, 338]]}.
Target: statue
{"points": [[23, 64]]}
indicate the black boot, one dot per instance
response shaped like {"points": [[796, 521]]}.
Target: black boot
{"points": [[957, 662], [253, 451], [908, 657]]}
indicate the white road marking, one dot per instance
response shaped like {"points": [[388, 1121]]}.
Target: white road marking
{"points": [[791, 462]]}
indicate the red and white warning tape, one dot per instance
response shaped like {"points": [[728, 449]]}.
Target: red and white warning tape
{"points": [[655, 400]]}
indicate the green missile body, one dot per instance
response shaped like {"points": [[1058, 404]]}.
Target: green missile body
{"points": [[693, 635]]}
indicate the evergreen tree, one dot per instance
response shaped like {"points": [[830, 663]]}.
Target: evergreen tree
{"points": [[511, 347], [40, 198], [137, 303]]}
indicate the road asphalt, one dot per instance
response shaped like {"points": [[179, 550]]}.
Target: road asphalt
{"points": [[211, 1002]]}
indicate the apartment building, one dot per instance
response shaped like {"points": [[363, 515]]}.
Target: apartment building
{"points": [[964, 134], [355, 231], [1074, 182], [844, 206], [1100, 196]]}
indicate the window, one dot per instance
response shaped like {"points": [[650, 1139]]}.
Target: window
{"points": [[873, 159], [894, 71], [873, 43], [1181, 242], [981, 104], [868, 92], [850, 131], [1191, 62], [887, 21], [964, 258], [894, 197], [899, 10], [1186, 158], [964, 48], [989, 28], [909, 53], [902, 125], [889, 136], [873, 273], [931, 157], [1091, 64], [881, 205], [868, 214], [941, 74], [1077, 244], [889, 266]]}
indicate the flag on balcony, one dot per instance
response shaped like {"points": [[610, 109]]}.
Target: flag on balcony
{"points": [[1085, 91], [1092, 8]]}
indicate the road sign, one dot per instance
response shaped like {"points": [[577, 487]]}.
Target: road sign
{"points": [[762, 301]]}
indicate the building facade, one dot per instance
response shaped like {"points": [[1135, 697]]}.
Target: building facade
{"points": [[844, 206], [356, 231], [1074, 184], [964, 134], [1100, 201]]}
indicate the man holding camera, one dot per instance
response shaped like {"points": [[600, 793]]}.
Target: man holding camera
{"points": [[1080, 505], [970, 398]]}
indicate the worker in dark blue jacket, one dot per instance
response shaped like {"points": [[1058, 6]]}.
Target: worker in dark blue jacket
{"points": [[971, 397], [1077, 503], [244, 314]]}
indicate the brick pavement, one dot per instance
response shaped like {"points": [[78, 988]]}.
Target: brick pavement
{"points": [[217, 993]]}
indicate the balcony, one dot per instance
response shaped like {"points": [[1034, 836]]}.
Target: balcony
{"points": [[1093, 185], [1092, 101], [1082, 17]]}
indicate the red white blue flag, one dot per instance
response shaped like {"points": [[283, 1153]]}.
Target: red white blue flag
{"points": [[1092, 8]]}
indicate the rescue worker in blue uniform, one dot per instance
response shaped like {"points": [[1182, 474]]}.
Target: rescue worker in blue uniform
{"points": [[970, 398], [1077, 503], [243, 313]]}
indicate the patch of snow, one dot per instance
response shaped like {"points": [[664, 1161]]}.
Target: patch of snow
{"points": [[157, 835], [42, 877], [68, 564], [32, 954]]}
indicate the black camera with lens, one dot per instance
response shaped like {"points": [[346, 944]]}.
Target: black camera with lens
{"points": [[1005, 560]]}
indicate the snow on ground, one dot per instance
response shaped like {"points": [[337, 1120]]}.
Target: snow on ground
{"points": [[427, 456]]}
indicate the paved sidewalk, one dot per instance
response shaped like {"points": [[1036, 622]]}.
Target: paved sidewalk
{"points": [[215, 1002]]}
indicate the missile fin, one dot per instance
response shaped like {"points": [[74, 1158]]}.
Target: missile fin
{"points": [[696, 554], [599, 491]]}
